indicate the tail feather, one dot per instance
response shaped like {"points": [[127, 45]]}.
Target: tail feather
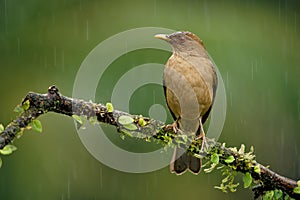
{"points": [[182, 161], [195, 164]]}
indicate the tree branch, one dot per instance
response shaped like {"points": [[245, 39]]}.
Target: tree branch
{"points": [[146, 128]]}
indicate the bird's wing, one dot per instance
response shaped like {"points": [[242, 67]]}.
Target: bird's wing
{"points": [[215, 84], [165, 92]]}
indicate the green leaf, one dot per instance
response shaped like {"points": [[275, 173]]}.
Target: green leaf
{"points": [[257, 169], [298, 183], [233, 187], [247, 179], [222, 188], [278, 194], [225, 179], [287, 197], [8, 149], [18, 109], [125, 120], [269, 195], [297, 190], [230, 159], [197, 156], [131, 127], [36, 125], [0, 162], [5, 151], [78, 119], [211, 168], [93, 120], [142, 122], [1, 128], [214, 158], [125, 132], [109, 107], [251, 149], [26, 105], [122, 136], [242, 149], [12, 147]]}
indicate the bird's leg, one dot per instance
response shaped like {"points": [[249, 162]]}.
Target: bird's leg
{"points": [[204, 145]]}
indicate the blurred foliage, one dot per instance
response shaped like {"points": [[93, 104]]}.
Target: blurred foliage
{"points": [[254, 43]]}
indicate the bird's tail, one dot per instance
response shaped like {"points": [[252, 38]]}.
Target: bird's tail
{"points": [[182, 160]]}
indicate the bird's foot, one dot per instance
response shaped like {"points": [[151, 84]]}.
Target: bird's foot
{"points": [[173, 126]]}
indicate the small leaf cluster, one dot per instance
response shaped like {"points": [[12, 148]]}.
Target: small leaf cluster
{"points": [[131, 125], [297, 189], [228, 181], [228, 174], [8, 149], [276, 195], [21, 108], [166, 138], [81, 120], [35, 125], [232, 163]]}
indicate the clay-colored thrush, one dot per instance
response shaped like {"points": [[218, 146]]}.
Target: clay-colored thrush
{"points": [[190, 83]]}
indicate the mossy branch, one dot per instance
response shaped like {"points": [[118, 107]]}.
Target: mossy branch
{"points": [[34, 105]]}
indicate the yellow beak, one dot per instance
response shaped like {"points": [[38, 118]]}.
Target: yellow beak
{"points": [[163, 37]]}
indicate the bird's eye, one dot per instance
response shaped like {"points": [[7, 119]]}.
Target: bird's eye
{"points": [[181, 38]]}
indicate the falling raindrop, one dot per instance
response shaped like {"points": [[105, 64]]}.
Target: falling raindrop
{"points": [[154, 10], [63, 60], [227, 80], [87, 29], [68, 189], [298, 109], [279, 10], [296, 149], [230, 99], [19, 48], [295, 22], [45, 61], [286, 17], [153, 94], [5, 8], [255, 66], [252, 71], [261, 60], [54, 55], [74, 174], [80, 5], [282, 141], [101, 179], [298, 167], [53, 18], [286, 78], [148, 190], [5, 16]]}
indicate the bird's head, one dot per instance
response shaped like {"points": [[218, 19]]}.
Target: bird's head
{"points": [[183, 41]]}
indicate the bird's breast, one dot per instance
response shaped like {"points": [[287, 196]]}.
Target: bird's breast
{"points": [[189, 86]]}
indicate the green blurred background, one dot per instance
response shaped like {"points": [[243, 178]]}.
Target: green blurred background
{"points": [[255, 44]]}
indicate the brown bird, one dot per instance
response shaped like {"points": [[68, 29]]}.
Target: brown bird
{"points": [[190, 83]]}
